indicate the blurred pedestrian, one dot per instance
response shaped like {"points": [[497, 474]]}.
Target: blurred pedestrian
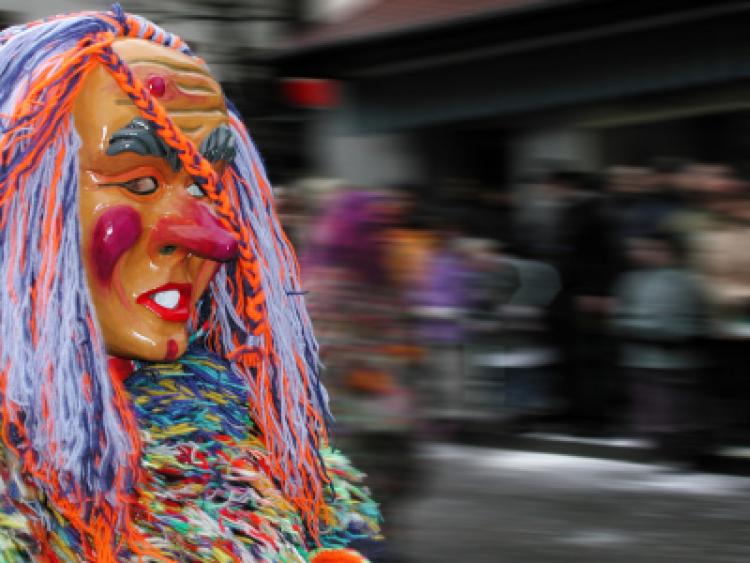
{"points": [[511, 353], [706, 190], [635, 207], [580, 249], [441, 305], [721, 257], [661, 319], [410, 242]]}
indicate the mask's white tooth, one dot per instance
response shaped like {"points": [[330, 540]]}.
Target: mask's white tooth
{"points": [[167, 299]]}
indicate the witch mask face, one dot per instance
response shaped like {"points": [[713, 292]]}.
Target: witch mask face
{"points": [[150, 241]]}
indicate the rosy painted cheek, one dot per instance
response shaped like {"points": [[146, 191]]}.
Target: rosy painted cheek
{"points": [[116, 230]]}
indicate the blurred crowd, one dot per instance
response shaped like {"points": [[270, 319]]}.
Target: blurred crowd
{"points": [[606, 304], [652, 319]]}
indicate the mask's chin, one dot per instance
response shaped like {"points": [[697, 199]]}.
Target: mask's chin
{"points": [[150, 348]]}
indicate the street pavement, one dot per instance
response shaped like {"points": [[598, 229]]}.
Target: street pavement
{"points": [[491, 505]]}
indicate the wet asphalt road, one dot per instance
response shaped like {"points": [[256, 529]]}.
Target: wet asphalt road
{"points": [[487, 505]]}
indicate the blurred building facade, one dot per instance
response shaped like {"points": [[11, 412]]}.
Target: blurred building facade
{"points": [[488, 89], [434, 89]]}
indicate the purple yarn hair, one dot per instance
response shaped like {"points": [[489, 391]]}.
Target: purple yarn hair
{"points": [[291, 329]]}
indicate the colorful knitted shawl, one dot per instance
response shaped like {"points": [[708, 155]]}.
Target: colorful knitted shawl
{"points": [[206, 494]]}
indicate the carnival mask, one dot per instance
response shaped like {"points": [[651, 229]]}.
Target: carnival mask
{"points": [[149, 239]]}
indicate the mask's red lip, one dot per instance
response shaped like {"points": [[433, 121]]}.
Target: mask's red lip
{"points": [[180, 313]]}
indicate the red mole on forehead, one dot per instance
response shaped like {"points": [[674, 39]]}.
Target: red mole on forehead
{"points": [[116, 230], [157, 85], [170, 83]]}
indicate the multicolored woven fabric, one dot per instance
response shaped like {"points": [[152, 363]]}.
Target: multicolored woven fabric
{"points": [[206, 494]]}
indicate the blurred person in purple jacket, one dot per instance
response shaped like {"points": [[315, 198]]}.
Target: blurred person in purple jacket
{"points": [[441, 306]]}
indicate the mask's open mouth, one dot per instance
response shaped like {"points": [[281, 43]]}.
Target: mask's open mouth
{"points": [[170, 302]]}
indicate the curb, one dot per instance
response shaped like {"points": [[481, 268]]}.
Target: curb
{"points": [[721, 459]]}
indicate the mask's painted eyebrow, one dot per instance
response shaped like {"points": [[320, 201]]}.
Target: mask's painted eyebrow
{"points": [[140, 136]]}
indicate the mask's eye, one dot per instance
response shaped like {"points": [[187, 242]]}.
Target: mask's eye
{"points": [[195, 191], [141, 186]]}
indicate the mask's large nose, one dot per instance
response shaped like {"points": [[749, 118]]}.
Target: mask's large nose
{"points": [[197, 232]]}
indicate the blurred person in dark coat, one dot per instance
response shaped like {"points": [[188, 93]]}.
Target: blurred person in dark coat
{"points": [[582, 253]]}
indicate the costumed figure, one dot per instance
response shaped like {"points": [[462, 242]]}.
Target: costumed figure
{"points": [[159, 382]]}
